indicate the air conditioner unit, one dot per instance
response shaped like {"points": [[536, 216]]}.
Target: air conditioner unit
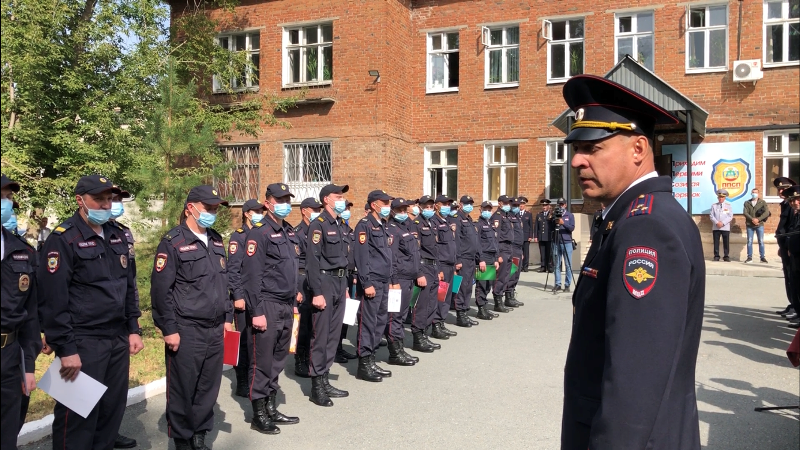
{"points": [[747, 70]]}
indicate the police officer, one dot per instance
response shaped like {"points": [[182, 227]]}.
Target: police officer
{"points": [[516, 253], [423, 310], [342, 355], [782, 184], [526, 218], [543, 232], [90, 312], [629, 379], [310, 209], [326, 272], [791, 233], [469, 249], [405, 272], [19, 342], [192, 308], [447, 264], [252, 213], [270, 273], [488, 257], [502, 222]]}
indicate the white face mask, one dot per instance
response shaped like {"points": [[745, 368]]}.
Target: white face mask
{"points": [[755, 195]]}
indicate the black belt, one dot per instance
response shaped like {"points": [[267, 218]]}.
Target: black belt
{"points": [[7, 339], [428, 262], [335, 272], [302, 271]]}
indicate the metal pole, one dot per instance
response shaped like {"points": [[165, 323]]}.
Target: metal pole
{"points": [[568, 151], [689, 162]]}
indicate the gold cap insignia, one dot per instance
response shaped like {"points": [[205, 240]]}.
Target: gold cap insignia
{"points": [[103, 180]]}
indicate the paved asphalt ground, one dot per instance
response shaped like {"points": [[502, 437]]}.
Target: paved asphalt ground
{"points": [[499, 385]]}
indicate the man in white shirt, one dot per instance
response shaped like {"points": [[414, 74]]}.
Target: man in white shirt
{"points": [[721, 217]]}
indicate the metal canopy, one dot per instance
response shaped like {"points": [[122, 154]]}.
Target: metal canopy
{"points": [[629, 73]]}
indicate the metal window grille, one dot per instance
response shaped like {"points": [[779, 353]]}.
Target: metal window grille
{"points": [[242, 183], [307, 168]]}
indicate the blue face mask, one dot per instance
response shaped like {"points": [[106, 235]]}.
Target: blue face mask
{"points": [[345, 215], [385, 211], [427, 213], [206, 219], [282, 209], [453, 213], [506, 208], [255, 218], [339, 206], [401, 217], [11, 224], [444, 210], [415, 210], [314, 216], [7, 210], [467, 208], [117, 209], [486, 214], [97, 216], [515, 210]]}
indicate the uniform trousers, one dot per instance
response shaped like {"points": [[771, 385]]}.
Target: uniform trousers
{"points": [[373, 314], [545, 255], [194, 375], [305, 309], [270, 348], [464, 295], [351, 289], [725, 235], [424, 309], [504, 272], [106, 360], [243, 321], [11, 391], [326, 325], [482, 290], [516, 252], [443, 307], [526, 254], [394, 326]]}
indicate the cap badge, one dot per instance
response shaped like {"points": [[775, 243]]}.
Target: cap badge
{"points": [[103, 180], [633, 126], [579, 114], [214, 191], [283, 187]]}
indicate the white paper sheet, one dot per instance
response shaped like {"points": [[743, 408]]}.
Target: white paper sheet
{"points": [[22, 367], [80, 395], [350, 311], [394, 300]]}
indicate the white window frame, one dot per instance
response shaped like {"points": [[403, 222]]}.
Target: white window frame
{"points": [[488, 154], [428, 166], [250, 83], [430, 88], [304, 189], [706, 30], [635, 34], [287, 82], [246, 166], [503, 47], [568, 41], [553, 162], [784, 21], [785, 154]]}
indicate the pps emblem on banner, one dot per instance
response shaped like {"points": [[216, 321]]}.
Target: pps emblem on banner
{"points": [[732, 175], [640, 270]]}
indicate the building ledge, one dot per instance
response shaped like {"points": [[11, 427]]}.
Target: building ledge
{"points": [[315, 101]]}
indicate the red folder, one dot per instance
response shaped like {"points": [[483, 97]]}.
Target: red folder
{"points": [[231, 355], [443, 288]]}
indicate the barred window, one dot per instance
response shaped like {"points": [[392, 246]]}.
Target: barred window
{"points": [[307, 168], [242, 182]]}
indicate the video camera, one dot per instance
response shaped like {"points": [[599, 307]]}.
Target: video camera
{"points": [[558, 212]]}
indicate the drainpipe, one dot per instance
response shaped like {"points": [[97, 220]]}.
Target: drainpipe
{"points": [[739, 34]]}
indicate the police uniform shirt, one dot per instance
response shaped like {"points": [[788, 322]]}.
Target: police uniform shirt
{"points": [[301, 231], [468, 240], [405, 252], [270, 268], [131, 252], [326, 250], [19, 297], [519, 234], [543, 229], [189, 282], [423, 230], [721, 212], [87, 284], [488, 241], [502, 224], [349, 239], [373, 257], [445, 240], [527, 224], [236, 249]]}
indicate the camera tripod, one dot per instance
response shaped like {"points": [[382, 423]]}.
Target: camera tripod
{"points": [[558, 244]]}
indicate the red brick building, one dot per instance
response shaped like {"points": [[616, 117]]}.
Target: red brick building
{"points": [[460, 96]]}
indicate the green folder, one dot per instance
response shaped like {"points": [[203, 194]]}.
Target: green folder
{"points": [[513, 268], [489, 275], [414, 296], [456, 283]]}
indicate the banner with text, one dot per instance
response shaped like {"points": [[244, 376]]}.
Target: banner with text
{"points": [[722, 165]]}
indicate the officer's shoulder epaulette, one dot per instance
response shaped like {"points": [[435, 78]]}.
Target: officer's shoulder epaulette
{"points": [[297, 228], [62, 228], [320, 219], [240, 230], [25, 241], [214, 233], [171, 234], [364, 220], [642, 206], [258, 224], [416, 221]]}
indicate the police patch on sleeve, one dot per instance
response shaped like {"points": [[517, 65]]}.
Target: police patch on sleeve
{"points": [[161, 261], [233, 247], [362, 237], [316, 236], [640, 270], [52, 262], [251, 247]]}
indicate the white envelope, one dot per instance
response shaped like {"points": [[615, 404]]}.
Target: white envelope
{"points": [[394, 300], [80, 395], [350, 311]]}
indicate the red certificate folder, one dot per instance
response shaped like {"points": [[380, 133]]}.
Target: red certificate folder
{"points": [[231, 355]]}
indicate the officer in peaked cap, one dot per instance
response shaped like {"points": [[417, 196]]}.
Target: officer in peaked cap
{"points": [[310, 209], [469, 250], [501, 220], [783, 183], [629, 378], [543, 233], [446, 244], [516, 253], [489, 256], [342, 355], [422, 312]]}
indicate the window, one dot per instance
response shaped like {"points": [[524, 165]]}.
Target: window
{"points": [[565, 50], [502, 56], [248, 78], [707, 38], [557, 168], [242, 182], [307, 168], [781, 159], [442, 168], [635, 37], [442, 62], [308, 55], [781, 32], [501, 171]]}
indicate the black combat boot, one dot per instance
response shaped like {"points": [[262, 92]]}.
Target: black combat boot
{"points": [[498, 304], [411, 357], [462, 320], [199, 441], [261, 421], [366, 372], [514, 296], [420, 343], [383, 342], [125, 442], [318, 394], [446, 330], [378, 369], [182, 444], [437, 332], [483, 314], [510, 302], [277, 416], [301, 363], [242, 386], [396, 355], [330, 390]]}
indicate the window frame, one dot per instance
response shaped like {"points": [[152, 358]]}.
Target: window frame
{"points": [[549, 162], [304, 189], [286, 47], [429, 88], [567, 41], [488, 47], [785, 155], [253, 187], [707, 41], [428, 166], [502, 165], [785, 21], [249, 86], [635, 35]]}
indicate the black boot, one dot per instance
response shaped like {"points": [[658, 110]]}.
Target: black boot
{"points": [[420, 344], [318, 395], [396, 356], [447, 331], [301, 363], [124, 441], [489, 311], [462, 320], [434, 345], [261, 421], [182, 444], [332, 391], [483, 314], [366, 372], [437, 332], [345, 354], [498, 304], [199, 441], [378, 369], [510, 302], [514, 296], [411, 357], [383, 342], [277, 416], [470, 319], [242, 388]]}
